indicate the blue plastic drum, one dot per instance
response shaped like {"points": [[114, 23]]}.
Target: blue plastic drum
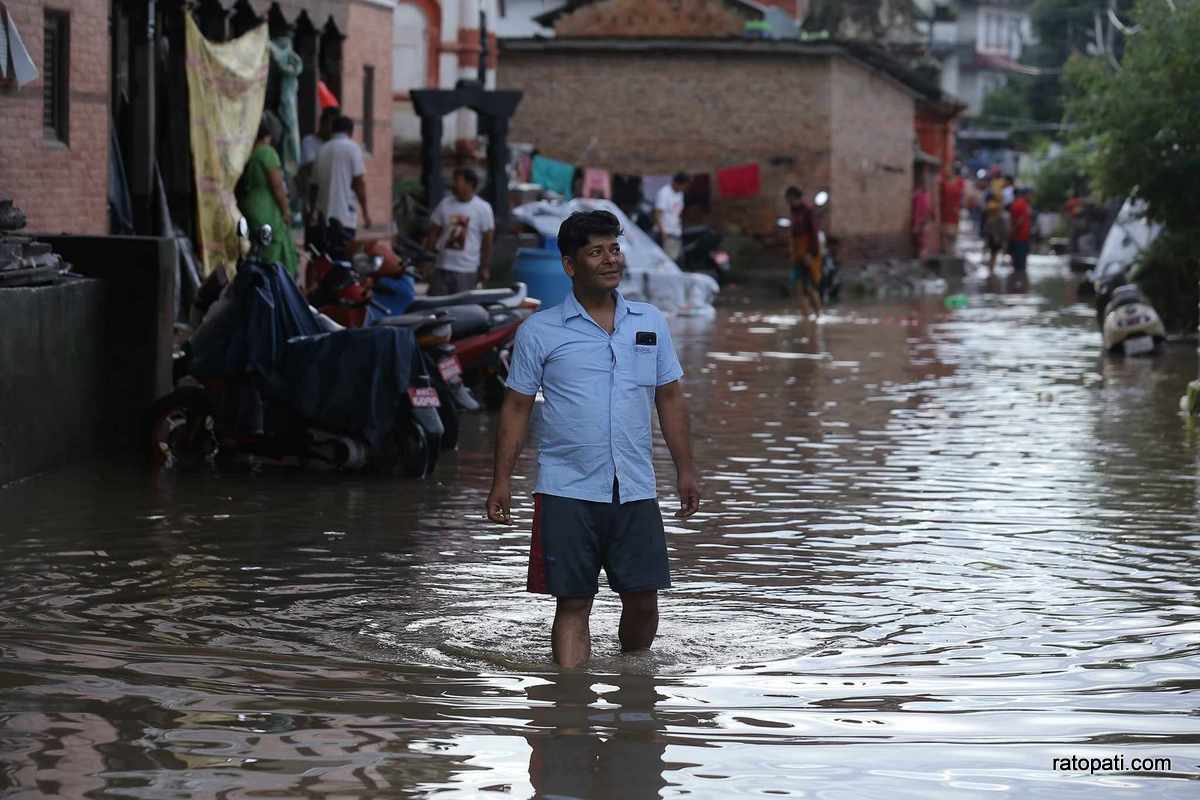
{"points": [[542, 272]]}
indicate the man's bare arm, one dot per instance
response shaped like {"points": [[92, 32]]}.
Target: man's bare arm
{"points": [[673, 419], [510, 438], [485, 256], [360, 191]]}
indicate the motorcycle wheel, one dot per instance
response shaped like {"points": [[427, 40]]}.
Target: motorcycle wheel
{"points": [[183, 430], [418, 450]]}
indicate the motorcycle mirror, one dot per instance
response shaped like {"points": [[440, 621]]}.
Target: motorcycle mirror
{"points": [[821, 198], [243, 228], [377, 263], [265, 235], [783, 222], [981, 174]]}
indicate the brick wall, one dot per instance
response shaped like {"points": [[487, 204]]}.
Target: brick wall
{"points": [[60, 187], [872, 166], [369, 42], [809, 121], [686, 18]]}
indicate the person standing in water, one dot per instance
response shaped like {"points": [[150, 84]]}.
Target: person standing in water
{"points": [[602, 363]]}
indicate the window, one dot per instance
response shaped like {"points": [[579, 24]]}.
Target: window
{"points": [[56, 70], [369, 108]]}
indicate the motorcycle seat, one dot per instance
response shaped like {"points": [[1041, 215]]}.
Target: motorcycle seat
{"points": [[414, 321], [467, 320], [475, 297]]}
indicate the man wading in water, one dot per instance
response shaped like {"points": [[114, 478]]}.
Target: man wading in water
{"points": [[600, 362]]}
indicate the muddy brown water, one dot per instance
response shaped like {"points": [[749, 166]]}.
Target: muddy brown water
{"points": [[939, 550]]}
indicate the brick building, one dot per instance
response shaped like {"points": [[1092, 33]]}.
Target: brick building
{"points": [[817, 115], [54, 148], [54, 155]]}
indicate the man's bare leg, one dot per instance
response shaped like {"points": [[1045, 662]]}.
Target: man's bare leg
{"points": [[639, 620], [571, 638]]}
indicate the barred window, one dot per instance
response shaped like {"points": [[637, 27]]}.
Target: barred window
{"points": [[368, 126], [56, 69]]}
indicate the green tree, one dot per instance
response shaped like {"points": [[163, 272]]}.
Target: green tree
{"points": [[1143, 124], [1144, 118]]}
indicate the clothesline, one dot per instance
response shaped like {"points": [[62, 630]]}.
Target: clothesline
{"points": [[731, 182]]}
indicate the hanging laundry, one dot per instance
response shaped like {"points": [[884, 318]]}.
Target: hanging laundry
{"points": [[23, 70], [627, 191], [554, 176], [743, 180], [699, 192], [597, 183], [325, 98], [651, 184], [524, 168]]}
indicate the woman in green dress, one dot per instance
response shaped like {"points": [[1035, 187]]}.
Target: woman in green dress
{"points": [[263, 199]]}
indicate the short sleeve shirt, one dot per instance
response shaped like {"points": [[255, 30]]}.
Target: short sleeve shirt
{"points": [[339, 162], [599, 391], [463, 227], [670, 203]]}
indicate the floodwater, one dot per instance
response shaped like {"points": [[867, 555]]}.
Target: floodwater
{"points": [[939, 550]]}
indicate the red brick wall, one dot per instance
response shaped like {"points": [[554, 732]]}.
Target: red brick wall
{"points": [[369, 41], [872, 163], [60, 187], [687, 18]]}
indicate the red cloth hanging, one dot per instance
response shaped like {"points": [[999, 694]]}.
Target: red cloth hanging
{"points": [[743, 180], [325, 98]]}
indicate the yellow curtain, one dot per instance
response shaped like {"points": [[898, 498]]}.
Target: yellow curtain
{"points": [[227, 85]]}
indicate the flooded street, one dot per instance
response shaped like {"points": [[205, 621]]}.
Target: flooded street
{"points": [[938, 550]]}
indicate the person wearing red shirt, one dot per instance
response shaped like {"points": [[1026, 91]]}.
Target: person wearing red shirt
{"points": [[1021, 214], [952, 190]]}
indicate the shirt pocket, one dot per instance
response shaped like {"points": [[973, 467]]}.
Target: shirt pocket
{"points": [[645, 364]]}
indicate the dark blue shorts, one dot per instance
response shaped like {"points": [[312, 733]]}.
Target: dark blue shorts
{"points": [[573, 539]]}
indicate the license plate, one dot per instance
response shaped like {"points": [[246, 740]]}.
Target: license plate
{"points": [[720, 258], [1137, 345], [451, 368], [423, 397]]}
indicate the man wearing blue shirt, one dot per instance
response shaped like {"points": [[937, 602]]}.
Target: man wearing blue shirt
{"points": [[601, 362]]}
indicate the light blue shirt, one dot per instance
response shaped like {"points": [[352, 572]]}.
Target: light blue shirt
{"points": [[599, 395]]}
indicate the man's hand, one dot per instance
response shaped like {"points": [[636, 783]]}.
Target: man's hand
{"points": [[499, 504], [485, 274], [366, 219], [689, 495]]}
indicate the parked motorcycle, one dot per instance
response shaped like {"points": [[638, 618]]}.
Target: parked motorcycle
{"points": [[468, 336], [1128, 322], [265, 379]]}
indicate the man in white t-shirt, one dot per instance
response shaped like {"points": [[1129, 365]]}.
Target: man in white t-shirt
{"points": [[462, 233], [310, 146], [668, 215], [341, 190]]}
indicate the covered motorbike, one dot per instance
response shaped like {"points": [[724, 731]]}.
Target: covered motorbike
{"points": [[264, 378]]}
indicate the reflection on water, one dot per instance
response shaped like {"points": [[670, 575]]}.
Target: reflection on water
{"points": [[939, 549]]}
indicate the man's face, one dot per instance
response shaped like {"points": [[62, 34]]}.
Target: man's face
{"points": [[598, 265], [325, 130], [462, 189]]}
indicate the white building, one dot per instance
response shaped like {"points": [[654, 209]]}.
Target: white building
{"points": [[434, 44], [979, 44]]}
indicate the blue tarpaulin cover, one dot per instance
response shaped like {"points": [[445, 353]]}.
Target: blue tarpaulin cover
{"points": [[349, 381]]}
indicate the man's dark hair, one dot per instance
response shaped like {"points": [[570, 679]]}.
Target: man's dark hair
{"points": [[793, 191], [467, 175], [330, 113], [681, 177], [343, 124], [579, 228]]}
